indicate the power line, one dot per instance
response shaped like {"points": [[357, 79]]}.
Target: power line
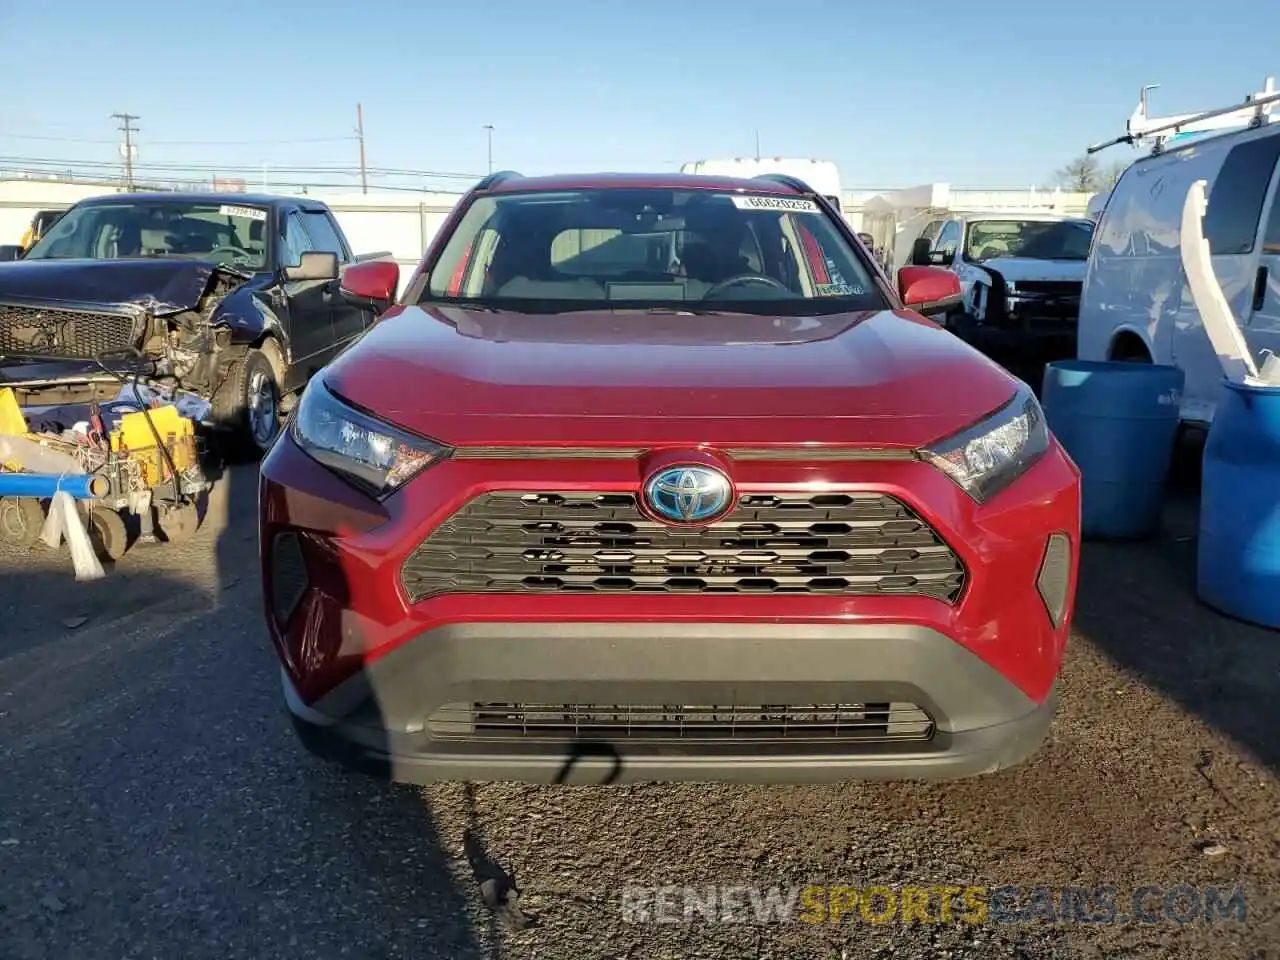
{"points": [[127, 128], [285, 186], [203, 180], [63, 164], [186, 143]]}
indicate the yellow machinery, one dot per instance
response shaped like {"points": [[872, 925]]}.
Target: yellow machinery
{"points": [[150, 464], [12, 422], [134, 438]]}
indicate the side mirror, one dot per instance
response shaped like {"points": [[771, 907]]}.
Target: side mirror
{"points": [[929, 290], [314, 265], [371, 285], [921, 252], [10, 251], [868, 240]]}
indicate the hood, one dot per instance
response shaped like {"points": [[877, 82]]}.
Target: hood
{"points": [[653, 378], [159, 286], [1026, 268]]}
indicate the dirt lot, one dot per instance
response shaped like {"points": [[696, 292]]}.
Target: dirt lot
{"points": [[153, 802]]}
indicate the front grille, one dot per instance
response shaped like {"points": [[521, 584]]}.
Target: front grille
{"points": [[78, 334], [842, 544], [1053, 301], [1049, 288], [790, 723]]}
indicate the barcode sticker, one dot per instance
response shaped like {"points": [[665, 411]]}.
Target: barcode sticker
{"points": [[785, 204], [252, 213]]}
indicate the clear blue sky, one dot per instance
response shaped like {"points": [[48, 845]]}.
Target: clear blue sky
{"points": [[896, 95]]}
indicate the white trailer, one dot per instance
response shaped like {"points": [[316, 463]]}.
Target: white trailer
{"points": [[822, 175]]}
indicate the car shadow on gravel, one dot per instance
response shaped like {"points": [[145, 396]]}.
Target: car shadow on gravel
{"points": [[1137, 603], [373, 846], [42, 602]]}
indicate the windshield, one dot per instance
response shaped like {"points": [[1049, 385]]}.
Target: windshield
{"points": [[227, 234], [1037, 239], [651, 248]]}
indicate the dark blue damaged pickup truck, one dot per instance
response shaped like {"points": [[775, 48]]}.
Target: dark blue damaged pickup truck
{"points": [[233, 297]]}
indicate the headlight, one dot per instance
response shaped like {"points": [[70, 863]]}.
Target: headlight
{"points": [[373, 455], [990, 455]]}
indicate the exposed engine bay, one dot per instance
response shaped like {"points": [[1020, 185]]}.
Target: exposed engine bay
{"points": [[171, 334]]}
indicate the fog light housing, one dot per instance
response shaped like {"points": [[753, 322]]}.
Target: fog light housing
{"points": [[1054, 579], [289, 581]]}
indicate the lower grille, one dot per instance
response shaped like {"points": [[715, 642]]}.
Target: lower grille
{"points": [[288, 576], [845, 722], [1050, 288], [546, 542], [78, 334], [1046, 301]]}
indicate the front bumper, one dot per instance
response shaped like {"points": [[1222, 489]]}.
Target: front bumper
{"points": [[983, 723], [366, 672]]}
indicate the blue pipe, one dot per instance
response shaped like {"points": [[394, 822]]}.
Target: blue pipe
{"points": [[82, 486]]}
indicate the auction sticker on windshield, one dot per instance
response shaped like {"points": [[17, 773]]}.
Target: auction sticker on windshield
{"points": [[252, 213], [783, 204]]}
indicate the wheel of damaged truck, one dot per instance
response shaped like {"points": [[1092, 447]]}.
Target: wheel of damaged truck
{"points": [[21, 519], [248, 403], [108, 534], [178, 524]]}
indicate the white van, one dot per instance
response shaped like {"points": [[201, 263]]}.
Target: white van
{"points": [[1135, 304]]}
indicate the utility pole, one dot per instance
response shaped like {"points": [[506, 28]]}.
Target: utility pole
{"points": [[757, 144], [128, 129], [489, 131], [364, 176]]}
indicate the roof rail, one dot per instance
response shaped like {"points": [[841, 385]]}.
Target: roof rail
{"points": [[1251, 114], [493, 179], [795, 183]]}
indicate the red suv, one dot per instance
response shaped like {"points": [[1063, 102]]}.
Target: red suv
{"points": [[660, 478]]}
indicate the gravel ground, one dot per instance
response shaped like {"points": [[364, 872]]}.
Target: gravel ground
{"points": [[153, 802]]}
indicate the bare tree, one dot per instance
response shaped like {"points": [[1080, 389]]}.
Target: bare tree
{"points": [[1112, 174], [1081, 174]]}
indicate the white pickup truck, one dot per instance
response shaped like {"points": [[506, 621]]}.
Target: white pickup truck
{"points": [[1020, 274]]}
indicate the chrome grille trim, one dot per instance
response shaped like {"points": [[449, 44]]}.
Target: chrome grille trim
{"points": [[37, 330], [863, 544], [823, 454]]}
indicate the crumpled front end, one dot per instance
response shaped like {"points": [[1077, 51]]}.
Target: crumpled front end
{"points": [[57, 336]]}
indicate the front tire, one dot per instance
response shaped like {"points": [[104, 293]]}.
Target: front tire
{"points": [[248, 402], [107, 533], [21, 520]]}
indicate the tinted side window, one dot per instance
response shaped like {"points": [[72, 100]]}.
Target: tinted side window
{"points": [[949, 239], [1235, 199], [1271, 239], [930, 232], [295, 241], [324, 235]]}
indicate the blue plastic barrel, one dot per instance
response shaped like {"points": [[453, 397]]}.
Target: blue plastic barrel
{"points": [[1238, 555], [1118, 422]]}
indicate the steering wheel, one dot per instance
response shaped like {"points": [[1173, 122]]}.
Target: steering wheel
{"points": [[745, 278], [234, 251]]}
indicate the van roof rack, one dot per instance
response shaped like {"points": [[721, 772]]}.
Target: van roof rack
{"points": [[1250, 114], [493, 179], [795, 183]]}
